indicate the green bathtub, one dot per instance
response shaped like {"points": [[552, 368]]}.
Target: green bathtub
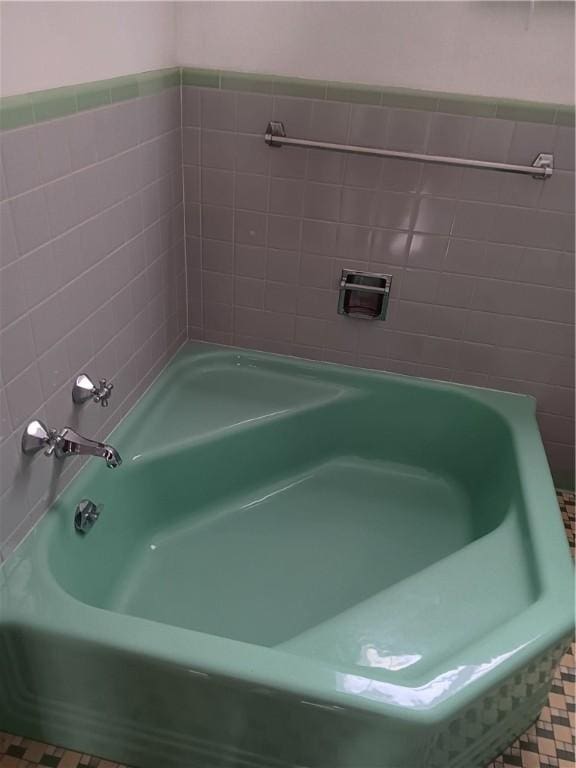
{"points": [[298, 565]]}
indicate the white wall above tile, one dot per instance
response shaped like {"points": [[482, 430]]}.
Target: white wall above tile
{"points": [[517, 50], [50, 44]]}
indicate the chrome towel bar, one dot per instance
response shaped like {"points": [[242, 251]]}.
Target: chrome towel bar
{"points": [[541, 168]]}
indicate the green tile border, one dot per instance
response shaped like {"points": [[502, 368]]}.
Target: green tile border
{"points": [[361, 94], [37, 107], [404, 98], [238, 81], [16, 111], [203, 78], [300, 87], [29, 108], [56, 102], [93, 95], [527, 111], [565, 115], [477, 106]]}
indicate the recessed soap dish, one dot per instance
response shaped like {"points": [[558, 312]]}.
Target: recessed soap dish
{"points": [[364, 294]]}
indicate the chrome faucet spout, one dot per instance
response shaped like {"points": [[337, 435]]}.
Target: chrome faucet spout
{"points": [[67, 442], [70, 443]]}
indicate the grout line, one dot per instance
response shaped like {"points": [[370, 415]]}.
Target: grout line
{"points": [[187, 297], [232, 331], [200, 166]]}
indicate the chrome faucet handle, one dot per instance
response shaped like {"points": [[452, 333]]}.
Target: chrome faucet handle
{"points": [[38, 437], [84, 389], [51, 448], [103, 393]]}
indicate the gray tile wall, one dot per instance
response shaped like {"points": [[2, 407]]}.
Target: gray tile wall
{"points": [[483, 263], [91, 278]]}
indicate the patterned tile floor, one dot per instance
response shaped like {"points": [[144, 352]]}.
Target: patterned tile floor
{"points": [[549, 743]]}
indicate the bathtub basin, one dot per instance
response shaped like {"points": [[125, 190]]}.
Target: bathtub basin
{"points": [[298, 565]]}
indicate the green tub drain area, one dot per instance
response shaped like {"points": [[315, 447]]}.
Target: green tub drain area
{"points": [[295, 554]]}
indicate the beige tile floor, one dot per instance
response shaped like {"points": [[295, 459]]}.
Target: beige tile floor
{"points": [[549, 743]]}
